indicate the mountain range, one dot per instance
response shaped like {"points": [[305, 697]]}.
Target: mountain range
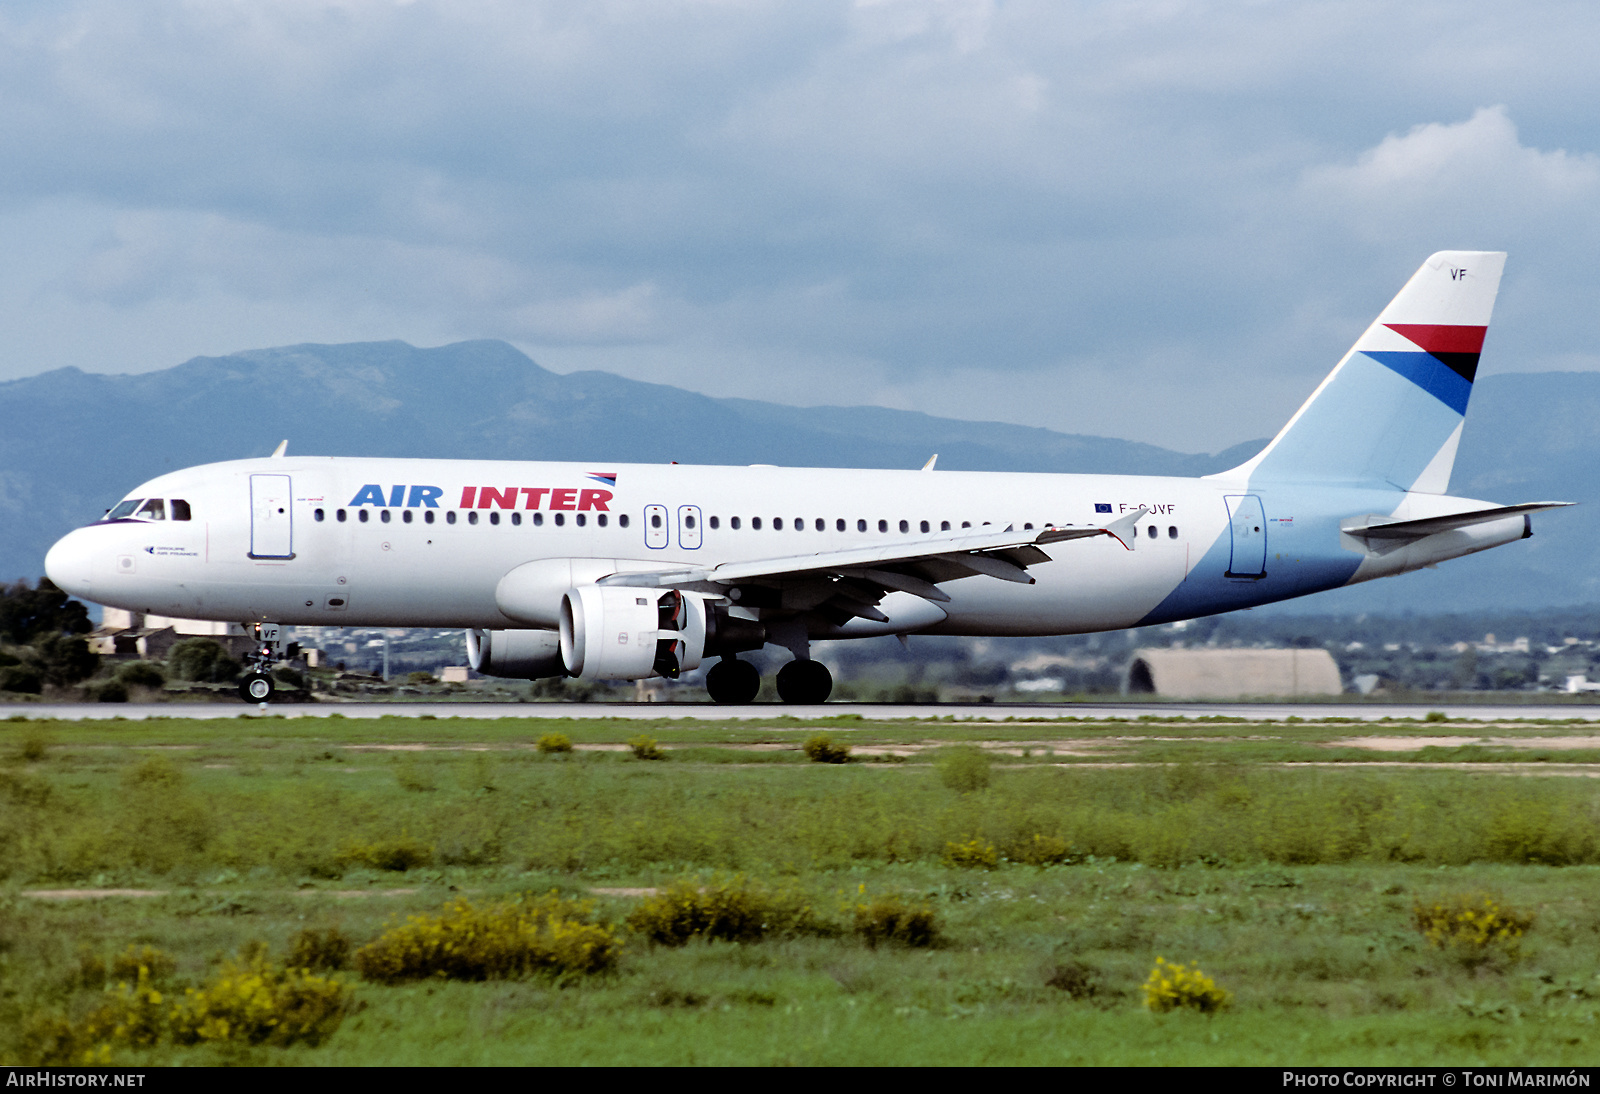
{"points": [[72, 443]]}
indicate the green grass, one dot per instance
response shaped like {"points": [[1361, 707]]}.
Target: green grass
{"points": [[1292, 886]]}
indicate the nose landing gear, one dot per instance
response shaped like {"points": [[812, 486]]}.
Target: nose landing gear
{"points": [[258, 685]]}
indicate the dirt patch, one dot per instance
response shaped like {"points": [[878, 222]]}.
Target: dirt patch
{"points": [[354, 894], [646, 891], [88, 894], [1416, 744]]}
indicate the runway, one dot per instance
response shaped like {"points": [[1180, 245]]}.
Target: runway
{"points": [[766, 712]]}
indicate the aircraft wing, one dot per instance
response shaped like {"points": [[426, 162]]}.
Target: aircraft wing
{"points": [[845, 583]]}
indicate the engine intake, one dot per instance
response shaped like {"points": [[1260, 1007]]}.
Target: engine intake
{"points": [[619, 633]]}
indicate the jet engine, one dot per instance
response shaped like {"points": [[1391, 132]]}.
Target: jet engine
{"points": [[522, 655], [613, 632]]}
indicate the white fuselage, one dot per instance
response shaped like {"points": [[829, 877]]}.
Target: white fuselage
{"points": [[344, 542]]}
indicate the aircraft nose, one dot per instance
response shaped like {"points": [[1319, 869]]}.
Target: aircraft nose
{"points": [[70, 564]]}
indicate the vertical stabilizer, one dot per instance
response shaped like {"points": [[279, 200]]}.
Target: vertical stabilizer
{"points": [[1391, 411]]}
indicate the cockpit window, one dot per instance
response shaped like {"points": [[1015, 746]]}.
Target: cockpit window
{"points": [[180, 509], [124, 509], [154, 509]]}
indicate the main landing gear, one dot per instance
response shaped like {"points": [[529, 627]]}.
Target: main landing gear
{"points": [[257, 685], [804, 682], [733, 681]]}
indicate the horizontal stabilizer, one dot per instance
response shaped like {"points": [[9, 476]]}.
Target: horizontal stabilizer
{"points": [[1382, 529]]}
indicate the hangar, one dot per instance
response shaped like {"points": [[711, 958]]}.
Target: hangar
{"points": [[1232, 674]]}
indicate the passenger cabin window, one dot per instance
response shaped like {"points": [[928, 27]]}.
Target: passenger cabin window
{"points": [[154, 509], [622, 520], [180, 509]]}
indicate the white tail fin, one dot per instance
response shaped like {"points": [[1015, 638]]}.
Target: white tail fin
{"points": [[1391, 411]]}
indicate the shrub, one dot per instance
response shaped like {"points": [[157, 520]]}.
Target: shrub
{"points": [[821, 750], [141, 674], [1078, 980], [319, 950], [250, 1000], [502, 941], [142, 961], [21, 679], [892, 919], [1039, 850], [112, 691], [1171, 987], [202, 659], [1472, 928], [976, 852], [404, 853], [135, 1015], [964, 769], [552, 743], [253, 1001], [645, 748], [738, 910], [33, 747]]}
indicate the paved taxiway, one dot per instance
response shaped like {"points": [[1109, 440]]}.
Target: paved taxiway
{"points": [[992, 712]]}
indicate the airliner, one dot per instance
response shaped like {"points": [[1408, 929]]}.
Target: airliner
{"points": [[628, 571]]}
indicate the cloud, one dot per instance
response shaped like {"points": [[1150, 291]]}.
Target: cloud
{"points": [[1472, 171], [1027, 207]]}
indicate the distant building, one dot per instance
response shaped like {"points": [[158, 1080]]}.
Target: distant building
{"points": [[150, 637], [1232, 674]]}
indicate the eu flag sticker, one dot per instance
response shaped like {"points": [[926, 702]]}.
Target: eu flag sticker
{"points": [[1101, 507]]}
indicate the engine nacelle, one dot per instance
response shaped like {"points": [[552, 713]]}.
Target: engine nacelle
{"points": [[613, 632], [521, 655]]}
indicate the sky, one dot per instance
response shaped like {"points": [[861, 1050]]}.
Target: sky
{"points": [[1155, 219]]}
